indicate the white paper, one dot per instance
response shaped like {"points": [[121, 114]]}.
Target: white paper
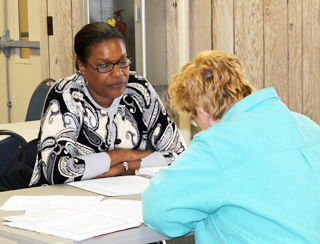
{"points": [[124, 208], [151, 171], [114, 186], [16, 203], [71, 224]]}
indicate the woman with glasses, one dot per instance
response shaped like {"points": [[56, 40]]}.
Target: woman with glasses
{"points": [[250, 176], [101, 121]]}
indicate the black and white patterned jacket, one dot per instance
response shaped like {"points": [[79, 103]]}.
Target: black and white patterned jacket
{"points": [[72, 127]]}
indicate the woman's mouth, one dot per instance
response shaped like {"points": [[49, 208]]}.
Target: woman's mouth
{"points": [[117, 85]]}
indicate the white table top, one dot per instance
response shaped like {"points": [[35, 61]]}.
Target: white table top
{"points": [[28, 130], [137, 235]]}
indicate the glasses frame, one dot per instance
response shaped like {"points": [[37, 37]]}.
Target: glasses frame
{"points": [[194, 123], [113, 64]]}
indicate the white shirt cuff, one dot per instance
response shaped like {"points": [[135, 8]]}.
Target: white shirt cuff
{"points": [[154, 159], [96, 164]]}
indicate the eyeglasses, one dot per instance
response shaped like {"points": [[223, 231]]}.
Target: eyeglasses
{"points": [[194, 123], [105, 68]]}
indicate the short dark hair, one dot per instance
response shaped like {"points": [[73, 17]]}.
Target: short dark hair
{"points": [[92, 34]]}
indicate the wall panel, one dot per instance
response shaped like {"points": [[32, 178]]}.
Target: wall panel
{"points": [[60, 43], [276, 46], [295, 81], [249, 45], [172, 37], [200, 24], [222, 26], [277, 40], [311, 59], [172, 51], [76, 23]]}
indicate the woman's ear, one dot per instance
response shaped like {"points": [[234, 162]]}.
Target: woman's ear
{"points": [[201, 112], [206, 117], [81, 67]]}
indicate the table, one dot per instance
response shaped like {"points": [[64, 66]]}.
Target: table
{"points": [[142, 234], [28, 130]]}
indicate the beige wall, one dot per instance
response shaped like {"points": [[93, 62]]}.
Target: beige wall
{"points": [[57, 50], [277, 40]]}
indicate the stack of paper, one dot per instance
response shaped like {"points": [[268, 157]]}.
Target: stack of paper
{"points": [[99, 218], [123, 208], [150, 171], [71, 224], [16, 203], [114, 186]]}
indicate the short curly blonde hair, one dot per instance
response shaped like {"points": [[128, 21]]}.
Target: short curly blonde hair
{"points": [[214, 81]]}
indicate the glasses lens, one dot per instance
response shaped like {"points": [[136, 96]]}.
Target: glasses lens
{"points": [[124, 63], [104, 68]]}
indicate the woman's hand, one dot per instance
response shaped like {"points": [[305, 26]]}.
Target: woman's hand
{"points": [[126, 155], [116, 170], [118, 156], [119, 169]]}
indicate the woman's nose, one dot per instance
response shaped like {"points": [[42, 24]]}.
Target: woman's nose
{"points": [[116, 71]]}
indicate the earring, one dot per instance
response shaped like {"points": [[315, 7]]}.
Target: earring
{"points": [[86, 81]]}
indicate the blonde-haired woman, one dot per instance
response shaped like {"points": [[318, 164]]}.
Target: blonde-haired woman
{"points": [[250, 176]]}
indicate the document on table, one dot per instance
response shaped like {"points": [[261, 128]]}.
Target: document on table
{"points": [[16, 203], [114, 186], [150, 171], [124, 208], [77, 222], [70, 223]]}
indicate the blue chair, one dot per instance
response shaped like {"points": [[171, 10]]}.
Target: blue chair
{"points": [[10, 148], [37, 100]]}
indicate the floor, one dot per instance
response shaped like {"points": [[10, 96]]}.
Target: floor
{"points": [[180, 240]]}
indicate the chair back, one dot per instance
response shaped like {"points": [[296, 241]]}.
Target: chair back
{"points": [[10, 148], [37, 100]]}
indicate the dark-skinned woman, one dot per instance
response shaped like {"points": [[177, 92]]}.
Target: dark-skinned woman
{"points": [[102, 121]]}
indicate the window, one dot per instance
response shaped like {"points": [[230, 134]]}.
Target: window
{"points": [[102, 10], [24, 27]]}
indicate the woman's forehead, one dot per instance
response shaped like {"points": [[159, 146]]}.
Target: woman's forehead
{"points": [[111, 50]]}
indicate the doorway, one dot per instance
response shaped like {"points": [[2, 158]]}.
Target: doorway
{"points": [[24, 72]]}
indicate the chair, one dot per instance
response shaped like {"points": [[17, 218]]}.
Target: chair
{"points": [[37, 100], [10, 148]]}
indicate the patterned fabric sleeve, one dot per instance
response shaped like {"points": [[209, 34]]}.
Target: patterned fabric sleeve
{"points": [[58, 149], [162, 132]]}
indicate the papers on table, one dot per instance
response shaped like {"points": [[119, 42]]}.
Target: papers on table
{"points": [[114, 186], [72, 223], [150, 171], [16, 203], [125, 208], [81, 217]]}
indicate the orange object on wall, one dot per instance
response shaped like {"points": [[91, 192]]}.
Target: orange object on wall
{"points": [[119, 24]]}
